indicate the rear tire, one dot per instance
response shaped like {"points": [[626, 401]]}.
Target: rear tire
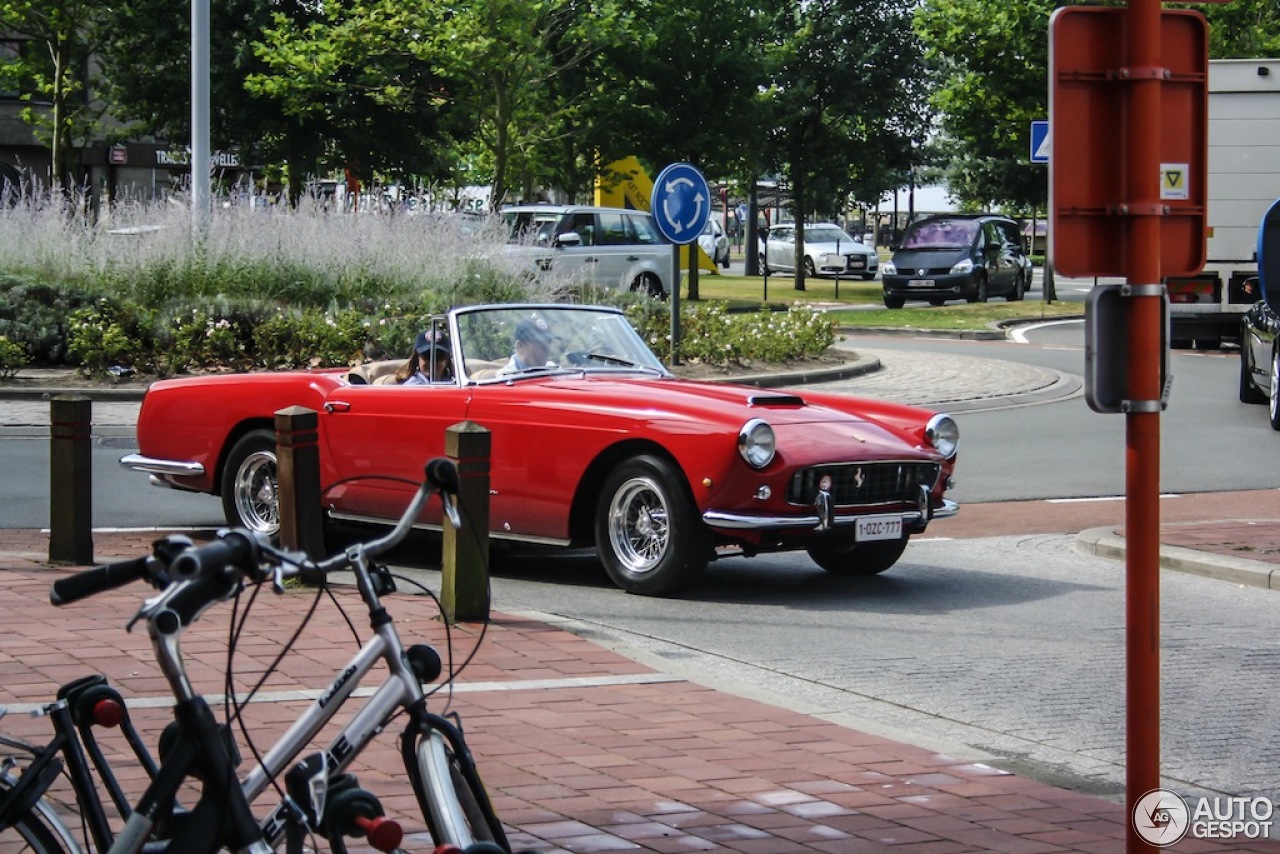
{"points": [[859, 559], [250, 489], [1019, 288], [455, 813], [34, 831]]}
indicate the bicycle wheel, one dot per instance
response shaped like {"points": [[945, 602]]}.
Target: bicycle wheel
{"points": [[456, 816], [38, 831]]}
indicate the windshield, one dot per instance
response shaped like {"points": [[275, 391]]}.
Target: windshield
{"points": [[827, 234], [941, 234], [509, 342], [537, 227]]}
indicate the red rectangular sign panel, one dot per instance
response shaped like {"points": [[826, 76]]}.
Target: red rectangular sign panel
{"points": [[1089, 91]]}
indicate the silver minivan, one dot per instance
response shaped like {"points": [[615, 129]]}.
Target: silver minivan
{"points": [[609, 247]]}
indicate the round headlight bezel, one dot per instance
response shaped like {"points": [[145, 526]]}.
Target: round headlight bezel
{"points": [[943, 434], [757, 443]]}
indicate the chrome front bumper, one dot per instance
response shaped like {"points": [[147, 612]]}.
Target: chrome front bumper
{"points": [[742, 521]]}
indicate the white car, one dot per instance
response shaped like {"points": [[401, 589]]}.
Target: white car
{"points": [[609, 247], [828, 251], [714, 241]]}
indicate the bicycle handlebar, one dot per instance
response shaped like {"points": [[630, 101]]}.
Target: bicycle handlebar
{"points": [[100, 578], [175, 558]]}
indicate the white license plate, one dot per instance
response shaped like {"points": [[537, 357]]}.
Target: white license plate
{"points": [[920, 283], [857, 263], [868, 528]]}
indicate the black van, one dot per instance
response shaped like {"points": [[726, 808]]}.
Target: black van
{"points": [[946, 257]]}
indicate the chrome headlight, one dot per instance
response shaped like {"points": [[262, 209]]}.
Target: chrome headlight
{"points": [[965, 266], [888, 269], [943, 434], [756, 443]]}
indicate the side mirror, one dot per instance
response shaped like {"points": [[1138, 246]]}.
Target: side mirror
{"points": [[1269, 256], [569, 238]]}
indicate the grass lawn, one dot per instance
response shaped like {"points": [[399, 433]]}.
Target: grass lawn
{"points": [[866, 306]]}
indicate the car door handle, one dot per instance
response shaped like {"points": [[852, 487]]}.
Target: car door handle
{"points": [[633, 257], [333, 406]]}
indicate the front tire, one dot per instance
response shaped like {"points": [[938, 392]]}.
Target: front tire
{"points": [[1249, 393], [891, 301], [859, 559], [648, 532], [454, 812], [979, 288], [648, 283], [1273, 404], [250, 489]]}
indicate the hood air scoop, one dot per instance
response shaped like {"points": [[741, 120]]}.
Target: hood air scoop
{"points": [[775, 400]]}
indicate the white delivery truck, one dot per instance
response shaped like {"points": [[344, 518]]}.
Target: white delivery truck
{"points": [[1243, 182]]}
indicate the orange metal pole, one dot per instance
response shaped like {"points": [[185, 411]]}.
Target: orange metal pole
{"points": [[1142, 424]]}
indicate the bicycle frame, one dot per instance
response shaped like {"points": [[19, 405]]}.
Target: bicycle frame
{"points": [[401, 690], [73, 740]]}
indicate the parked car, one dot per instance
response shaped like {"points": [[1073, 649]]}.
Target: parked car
{"points": [[594, 443], [714, 241], [609, 247], [1260, 358], [828, 251], [974, 256]]}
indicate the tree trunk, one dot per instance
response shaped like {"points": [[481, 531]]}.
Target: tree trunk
{"points": [[797, 210]]}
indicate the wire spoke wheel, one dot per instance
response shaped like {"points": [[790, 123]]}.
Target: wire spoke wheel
{"points": [[639, 525]]}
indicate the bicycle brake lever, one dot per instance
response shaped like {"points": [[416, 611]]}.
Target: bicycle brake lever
{"points": [[450, 502]]}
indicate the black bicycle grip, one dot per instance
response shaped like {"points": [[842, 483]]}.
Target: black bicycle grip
{"points": [[443, 475], [232, 548], [98, 579]]}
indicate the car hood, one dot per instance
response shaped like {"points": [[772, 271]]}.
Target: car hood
{"points": [[844, 248], [928, 258], [690, 406]]}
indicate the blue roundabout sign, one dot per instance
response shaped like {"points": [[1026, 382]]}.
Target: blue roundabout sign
{"points": [[681, 203]]}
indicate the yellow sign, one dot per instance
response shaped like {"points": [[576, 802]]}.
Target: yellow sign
{"points": [[625, 184]]}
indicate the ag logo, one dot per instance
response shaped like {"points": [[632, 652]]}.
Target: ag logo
{"points": [[1161, 817]]}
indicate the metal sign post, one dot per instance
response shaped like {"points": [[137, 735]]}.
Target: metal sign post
{"points": [[1141, 215], [681, 205]]}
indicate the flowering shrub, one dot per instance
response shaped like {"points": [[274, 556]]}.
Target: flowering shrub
{"points": [[12, 357], [709, 333], [98, 338]]}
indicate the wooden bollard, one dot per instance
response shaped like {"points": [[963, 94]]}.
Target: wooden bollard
{"points": [[464, 587], [70, 480], [298, 480]]}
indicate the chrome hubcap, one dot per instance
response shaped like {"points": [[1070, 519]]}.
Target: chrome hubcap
{"points": [[257, 493], [639, 527]]}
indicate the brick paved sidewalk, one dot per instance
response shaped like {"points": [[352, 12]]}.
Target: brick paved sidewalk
{"points": [[583, 750]]}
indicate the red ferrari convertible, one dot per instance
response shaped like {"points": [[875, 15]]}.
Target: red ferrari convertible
{"points": [[594, 443]]}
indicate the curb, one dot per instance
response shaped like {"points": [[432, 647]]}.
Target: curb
{"points": [[1105, 542]]}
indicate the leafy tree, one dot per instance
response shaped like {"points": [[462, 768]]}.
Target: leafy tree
{"points": [[147, 62], [845, 86], [1243, 29], [53, 68], [356, 74], [992, 62]]}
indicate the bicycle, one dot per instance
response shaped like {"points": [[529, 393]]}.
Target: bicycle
{"points": [[318, 796]]}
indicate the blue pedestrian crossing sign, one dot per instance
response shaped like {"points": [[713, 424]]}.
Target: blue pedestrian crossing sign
{"points": [[1039, 142], [681, 203]]}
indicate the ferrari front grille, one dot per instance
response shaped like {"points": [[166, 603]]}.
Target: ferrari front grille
{"points": [[854, 484]]}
